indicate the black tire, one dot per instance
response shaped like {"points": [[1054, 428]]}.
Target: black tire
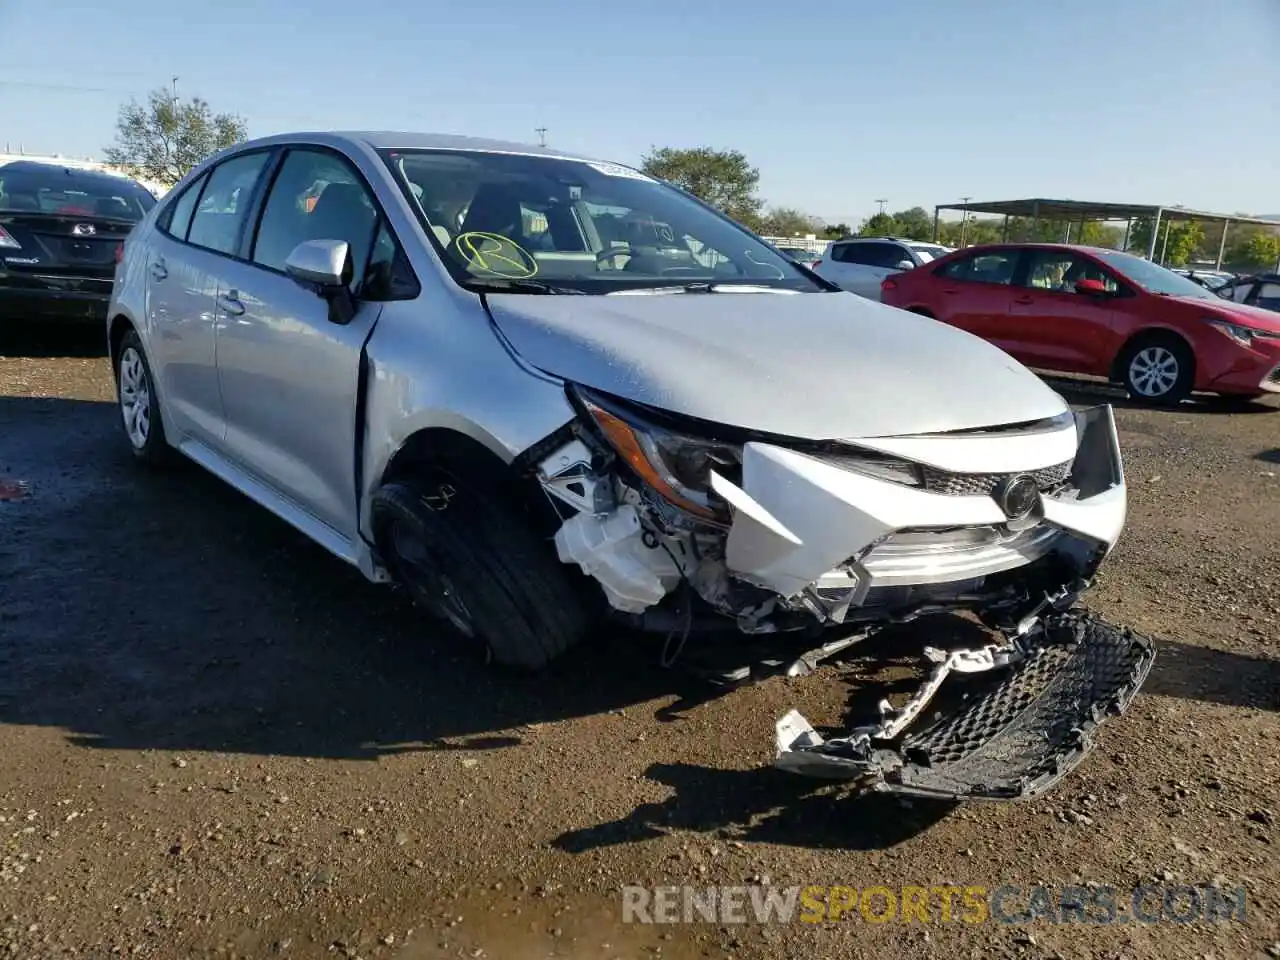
{"points": [[516, 595], [1169, 368], [148, 445]]}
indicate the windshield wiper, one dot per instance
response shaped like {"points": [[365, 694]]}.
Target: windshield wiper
{"points": [[701, 286], [512, 285]]}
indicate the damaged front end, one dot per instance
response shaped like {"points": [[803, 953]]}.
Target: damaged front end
{"points": [[685, 523]]}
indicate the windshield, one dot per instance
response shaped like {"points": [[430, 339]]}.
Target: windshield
{"points": [[74, 193], [1151, 276], [579, 226], [928, 253]]}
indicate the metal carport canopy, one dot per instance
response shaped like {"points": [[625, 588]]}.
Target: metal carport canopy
{"points": [[1036, 208]]}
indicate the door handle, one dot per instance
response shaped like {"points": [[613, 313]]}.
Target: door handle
{"points": [[1024, 300], [158, 270], [230, 302]]}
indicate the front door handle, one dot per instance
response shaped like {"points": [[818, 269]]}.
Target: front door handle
{"points": [[230, 302], [1024, 300], [158, 270]]}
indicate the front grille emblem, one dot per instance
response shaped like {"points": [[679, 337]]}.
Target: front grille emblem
{"points": [[1017, 496]]}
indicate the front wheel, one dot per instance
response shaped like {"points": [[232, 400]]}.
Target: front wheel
{"points": [[477, 564], [1158, 370]]}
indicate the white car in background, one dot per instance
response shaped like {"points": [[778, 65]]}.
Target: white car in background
{"points": [[859, 265]]}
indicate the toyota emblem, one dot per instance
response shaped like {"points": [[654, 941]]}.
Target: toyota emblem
{"points": [[1017, 496], [83, 230]]}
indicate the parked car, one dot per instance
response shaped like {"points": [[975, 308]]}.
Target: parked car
{"points": [[859, 265], [800, 255], [1260, 291], [1101, 312], [535, 389], [1209, 279], [61, 232]]}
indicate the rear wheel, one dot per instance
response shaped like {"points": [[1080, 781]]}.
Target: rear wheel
{"points": [[1158, 369], [475, 563], [139, 405]]}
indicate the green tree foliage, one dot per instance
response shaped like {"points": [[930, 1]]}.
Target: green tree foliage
{"points": [[722, 178], [1261, 250], [786, 222], [834, 231], [915, 224], [879, 225], [163, 138], [1176, 244]]}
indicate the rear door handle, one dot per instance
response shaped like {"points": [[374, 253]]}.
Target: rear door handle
{"points": [[158, 270], [1024, 300], [230, 302]]}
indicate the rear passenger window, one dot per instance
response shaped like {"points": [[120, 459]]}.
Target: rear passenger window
{"points": [[225, 203], [177, 219], [987, 267], [850, 253], [1268, 295], [316, 196]]}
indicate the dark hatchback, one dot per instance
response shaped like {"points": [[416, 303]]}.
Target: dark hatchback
{"points": [[62, 231]]}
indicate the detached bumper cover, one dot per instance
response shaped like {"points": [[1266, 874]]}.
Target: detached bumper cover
{"points": [[1029, 725]]}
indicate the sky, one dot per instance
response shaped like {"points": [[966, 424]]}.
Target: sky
{"points": [[838, 104]]}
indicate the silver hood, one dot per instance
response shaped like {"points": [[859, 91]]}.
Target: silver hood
{"points": [[821, 366]]}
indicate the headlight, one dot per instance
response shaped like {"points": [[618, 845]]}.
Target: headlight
{"points": [[676, 465], [1238, 332]]}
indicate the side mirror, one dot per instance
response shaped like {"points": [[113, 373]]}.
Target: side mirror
{"points": [[1091, 288], [905, 265], [321, 263], [325, 266]]}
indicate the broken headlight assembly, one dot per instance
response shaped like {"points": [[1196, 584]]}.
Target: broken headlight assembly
{"points": [[676, 465]]}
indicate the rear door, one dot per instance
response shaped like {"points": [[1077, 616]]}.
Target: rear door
{"points": [[975, 292], [193, 246], [1051, 325]]}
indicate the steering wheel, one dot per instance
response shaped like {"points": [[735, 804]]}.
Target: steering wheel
{"points": [[612, 253]]}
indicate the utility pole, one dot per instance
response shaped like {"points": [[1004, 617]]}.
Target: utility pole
{"points": [[542, 135], [173, 81], [964, 219], [882, 203]]}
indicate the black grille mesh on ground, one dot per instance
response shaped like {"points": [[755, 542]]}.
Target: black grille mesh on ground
{"points": [[1035, 721], [984, 484]]}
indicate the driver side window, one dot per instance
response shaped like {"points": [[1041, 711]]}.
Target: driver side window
{"points": [[316, 196]]}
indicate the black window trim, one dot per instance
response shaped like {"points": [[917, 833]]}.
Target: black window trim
{"points": [[203, 181], [249, 239], [246, 237]]}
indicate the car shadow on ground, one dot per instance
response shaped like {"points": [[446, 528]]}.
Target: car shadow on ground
{"points": [[1214, 676], [1091, 391], [1269, 456], [762, 806], [61, 340]]}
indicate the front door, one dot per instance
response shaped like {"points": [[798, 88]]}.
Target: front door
{"points": [[1052, 325], [289, 374]]}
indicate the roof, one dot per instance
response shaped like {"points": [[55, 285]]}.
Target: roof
{"points": [[1050, 209], [400, 140]]}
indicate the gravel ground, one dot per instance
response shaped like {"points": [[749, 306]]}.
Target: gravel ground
{"points": [[218, 741]]}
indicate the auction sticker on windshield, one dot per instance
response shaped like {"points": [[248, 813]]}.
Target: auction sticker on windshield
{"points": [[618, 170]]}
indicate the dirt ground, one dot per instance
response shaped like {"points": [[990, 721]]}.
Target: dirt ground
{"points": [[219, 741]]}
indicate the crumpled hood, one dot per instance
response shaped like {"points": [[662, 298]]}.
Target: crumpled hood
{"points": [[812, 366]]}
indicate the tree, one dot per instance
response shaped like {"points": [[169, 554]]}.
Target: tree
{"points": [[163, 138], [1262, 249], [914, 224], [878, 225], [722, 178], [786, 222], [834, 231]]}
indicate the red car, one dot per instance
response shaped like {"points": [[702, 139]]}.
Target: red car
{"points": [[1102, 312]]}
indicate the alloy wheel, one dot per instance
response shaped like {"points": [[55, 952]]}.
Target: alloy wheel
{"points": [[1153, 371], [135, 397]]}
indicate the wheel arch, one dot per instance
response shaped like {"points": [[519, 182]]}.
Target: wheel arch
{"points": [[439, 449], [1149, 335]]}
